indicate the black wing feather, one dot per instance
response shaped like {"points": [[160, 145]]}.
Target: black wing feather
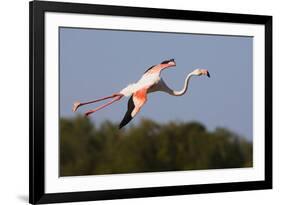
{"points": [[149, 69], [127, 118]]}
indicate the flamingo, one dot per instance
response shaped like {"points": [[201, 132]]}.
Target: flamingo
{"points": [[148, 83]]}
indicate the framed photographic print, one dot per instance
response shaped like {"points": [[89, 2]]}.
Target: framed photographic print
{"points": [[140, 102]]}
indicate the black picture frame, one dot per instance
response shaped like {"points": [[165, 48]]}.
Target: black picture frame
{"points": [[37, 194]]}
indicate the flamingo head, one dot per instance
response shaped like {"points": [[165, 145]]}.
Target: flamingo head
{"points": [[201, 72], [168, 63]]}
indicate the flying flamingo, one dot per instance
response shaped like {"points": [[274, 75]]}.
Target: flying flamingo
{"points": [[149, 82]]}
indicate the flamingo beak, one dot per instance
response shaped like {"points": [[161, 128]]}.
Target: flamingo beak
{"points": [[205, 72], [208, 74]]}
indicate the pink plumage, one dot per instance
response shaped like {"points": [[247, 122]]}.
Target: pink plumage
{"points": [[148, 83]]}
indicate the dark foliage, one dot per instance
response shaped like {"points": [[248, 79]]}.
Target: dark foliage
{"points": [[147, 147]]}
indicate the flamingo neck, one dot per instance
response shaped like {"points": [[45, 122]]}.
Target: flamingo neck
{"points": [[185, 87]]}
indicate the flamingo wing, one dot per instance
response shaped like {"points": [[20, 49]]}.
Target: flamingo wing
{"points": [[135, 103]]}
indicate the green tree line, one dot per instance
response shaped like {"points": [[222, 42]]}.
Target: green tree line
{"points": [[87, 149]]}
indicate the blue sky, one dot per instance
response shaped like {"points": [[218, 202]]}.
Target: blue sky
{"points": [[96, 63]]}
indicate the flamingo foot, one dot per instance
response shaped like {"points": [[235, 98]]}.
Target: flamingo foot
{"points": [[75, 106], [88, 113]]}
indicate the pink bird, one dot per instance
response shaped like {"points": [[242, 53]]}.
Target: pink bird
{"points": [[148, 83]]}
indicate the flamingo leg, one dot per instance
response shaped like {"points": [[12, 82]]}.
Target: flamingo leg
{"points": [[76, 105], [118, 97]]}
